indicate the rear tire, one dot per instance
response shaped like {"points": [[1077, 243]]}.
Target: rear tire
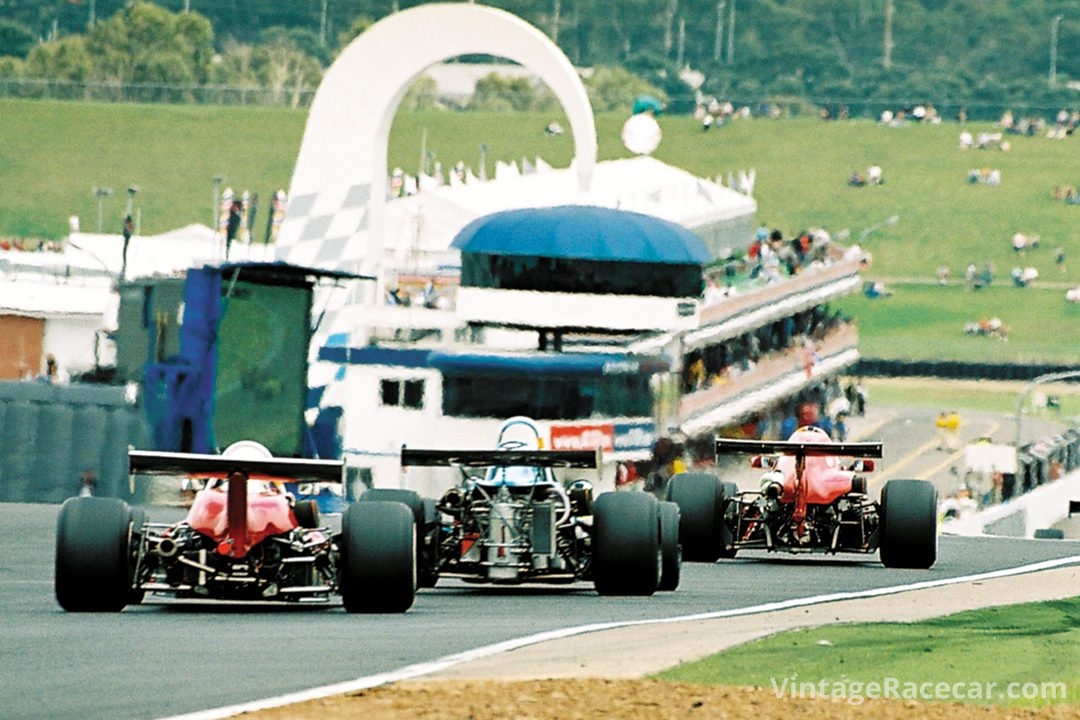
{"points": [[700, 497], [626, 543], [425, 515], [377, 565], [908, 524], [670, 550], [93, 560]]}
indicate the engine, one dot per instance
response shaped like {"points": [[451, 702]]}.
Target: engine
{"points": [[510, 534], [849, 523], [178, 560]]}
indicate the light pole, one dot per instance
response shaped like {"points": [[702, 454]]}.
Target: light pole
{"points": [[1053, 48], [129, 208], [131, 190], [100, 193]]}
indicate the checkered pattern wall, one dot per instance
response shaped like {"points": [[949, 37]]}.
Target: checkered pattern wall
{"points": [[326, 228]]}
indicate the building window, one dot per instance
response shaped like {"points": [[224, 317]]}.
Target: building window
{"points": [[402, 393], [412, 394]]}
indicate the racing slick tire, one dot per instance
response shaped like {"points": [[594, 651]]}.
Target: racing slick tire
{"points": [[93, 558], [670, 550], [700, 497], [626, 543], [425, 516], [909, 531], [377, 563]]}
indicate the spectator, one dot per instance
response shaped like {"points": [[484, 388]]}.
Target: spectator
{"points": [[952, 430], [129, 230], [52, 374], [232, 226], [87, 483], [840, 427]]}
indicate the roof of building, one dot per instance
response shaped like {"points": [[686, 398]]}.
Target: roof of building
{"points": [[584, 232]]}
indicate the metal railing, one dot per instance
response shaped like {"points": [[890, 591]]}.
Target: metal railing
{"points": [[158, 93]]}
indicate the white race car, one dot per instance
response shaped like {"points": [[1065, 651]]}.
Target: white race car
{"points": [[510, 520]]}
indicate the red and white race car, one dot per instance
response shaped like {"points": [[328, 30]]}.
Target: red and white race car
{"points": [[812, 498], [244, 538]]}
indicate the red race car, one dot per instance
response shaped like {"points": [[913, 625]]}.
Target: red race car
{"points": [[244, 538], [812, 498]]}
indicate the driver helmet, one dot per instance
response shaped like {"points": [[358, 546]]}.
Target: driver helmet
{"points": [[519, 433], [250, 450]]}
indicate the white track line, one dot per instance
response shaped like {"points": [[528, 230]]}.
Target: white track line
{"points": [[426, 668]]}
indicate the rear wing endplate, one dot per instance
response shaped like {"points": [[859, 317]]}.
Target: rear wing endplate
{"points": [[501, 458]]}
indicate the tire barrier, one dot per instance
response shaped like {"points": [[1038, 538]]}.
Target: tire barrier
{"points": [[1047, 460], [954, 370], [55, 434]]}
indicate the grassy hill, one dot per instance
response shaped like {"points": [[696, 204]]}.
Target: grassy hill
{"points": [[52, 154]]}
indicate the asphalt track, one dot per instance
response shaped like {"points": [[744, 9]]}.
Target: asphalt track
{"points": [[163, 659], [166, 658]]}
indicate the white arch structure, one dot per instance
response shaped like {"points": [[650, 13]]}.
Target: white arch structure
{"points": [[335, 215]]}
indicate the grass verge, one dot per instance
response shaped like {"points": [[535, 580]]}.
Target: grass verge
{"points": [[982, 395], [1015, 655]]}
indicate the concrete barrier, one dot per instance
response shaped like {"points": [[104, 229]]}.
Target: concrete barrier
{"points": [[1043, 507]]}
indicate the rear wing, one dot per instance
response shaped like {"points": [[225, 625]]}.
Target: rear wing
{"points": [[149, 462], [501, 458], [725, 446]]}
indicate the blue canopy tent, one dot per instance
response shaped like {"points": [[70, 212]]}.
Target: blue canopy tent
{"points": [[583, 232], [582, 249]]}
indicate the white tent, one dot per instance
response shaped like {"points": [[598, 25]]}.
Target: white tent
{"points": [[73, 289], [422, 226], [170, 253]]}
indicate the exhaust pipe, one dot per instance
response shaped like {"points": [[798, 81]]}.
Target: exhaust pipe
{"points": [[167, 548]]}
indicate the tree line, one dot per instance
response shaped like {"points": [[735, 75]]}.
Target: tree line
{"points": [[958, 52]]}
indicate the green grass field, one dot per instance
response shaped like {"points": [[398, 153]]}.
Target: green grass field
{"points": [[53, 153], [1032, 645], [926, 322]]}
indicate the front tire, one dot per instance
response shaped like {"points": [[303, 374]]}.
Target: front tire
{"points": [[93, 559], [908, 524], [377, 564], [670, 550], [626, 544]]}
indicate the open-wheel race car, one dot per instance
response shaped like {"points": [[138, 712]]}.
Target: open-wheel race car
{"points": [[812, 498], [244, 538], [510, 521]]}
